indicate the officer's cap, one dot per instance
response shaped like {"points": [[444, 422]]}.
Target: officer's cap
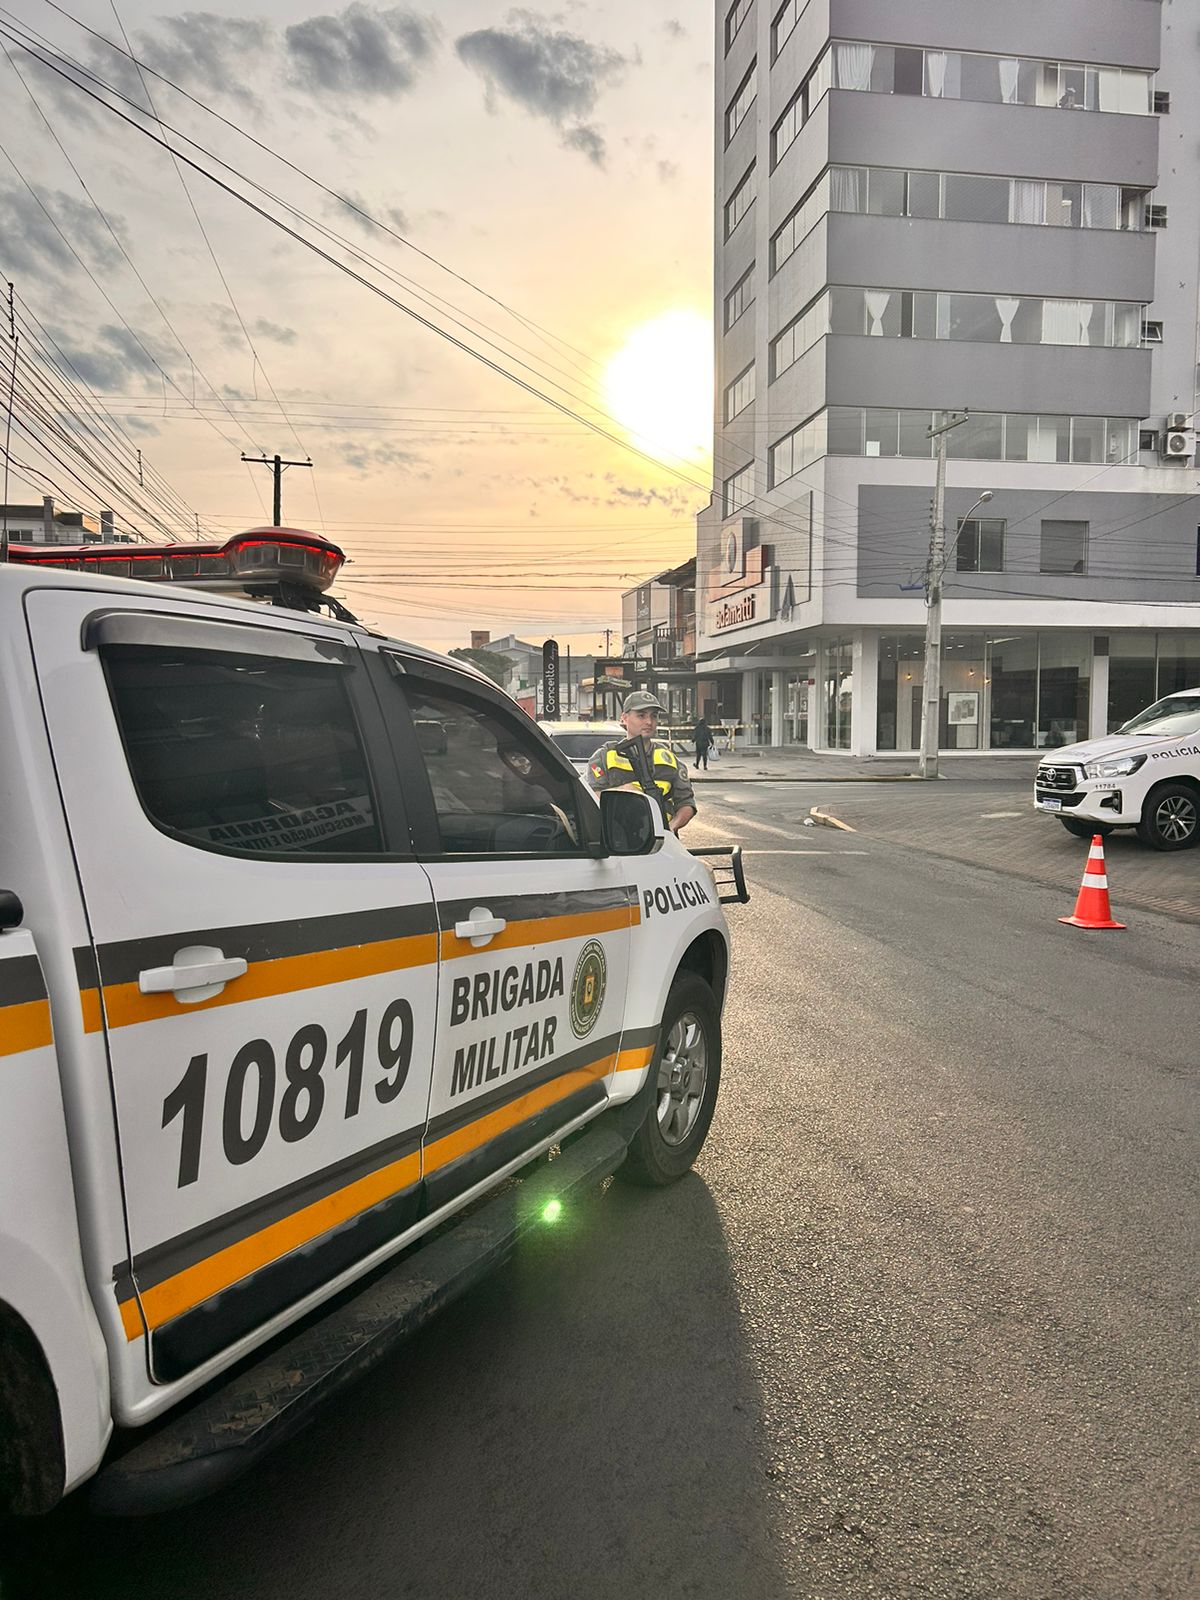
{"points": [[641, 700]]}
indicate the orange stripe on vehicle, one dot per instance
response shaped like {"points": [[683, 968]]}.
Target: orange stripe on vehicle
{"points": [[126, 1004], [25, 1027], [93, 1016], [216, 1272], [543, 930], [131, 1319], [464, 1140], [635, 1060]]}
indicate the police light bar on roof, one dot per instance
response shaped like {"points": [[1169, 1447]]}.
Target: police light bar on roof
{"points": [[255, 562]]}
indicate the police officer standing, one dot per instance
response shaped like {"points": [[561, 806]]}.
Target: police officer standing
{"points": [[608, 769]]}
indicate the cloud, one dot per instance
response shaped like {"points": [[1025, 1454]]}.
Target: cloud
{"points": [[587, 140], [371, 458], [667, 171], [350, 203], [674, 29], [32, 243], [205, 53], [551, 74], [362, 51], [113, 361], [273, 330]]}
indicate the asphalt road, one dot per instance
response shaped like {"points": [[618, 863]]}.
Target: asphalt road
{"points": [[921, 1324]]}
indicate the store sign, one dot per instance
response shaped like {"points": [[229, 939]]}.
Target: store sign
{"points": [[550, 701], [736, 613]]}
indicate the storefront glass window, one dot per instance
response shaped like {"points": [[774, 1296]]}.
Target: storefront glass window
{"points": [[839, 683], [1063, 683], [961, 719], [901, 677], [1012, 691], [1178, 662], [1130, 676]]}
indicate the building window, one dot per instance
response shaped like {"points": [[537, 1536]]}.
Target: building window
{"points": [[799, 222], [799, 335], [980, 545], [743, 99], [797, 449], [984, 319], [1162, 102], [738, 491], [734, 17], [785, 20], [985, 436], [740, 298], [783, 134], [971, 197], [997, 80], [1156, 216], [740, 393], [1064, 547], [740, 201], [1152, 332]]}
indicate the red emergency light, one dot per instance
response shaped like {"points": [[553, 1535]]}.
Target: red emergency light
{"points": [[255, 562]]}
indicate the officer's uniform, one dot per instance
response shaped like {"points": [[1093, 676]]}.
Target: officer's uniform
{"points": [[608, 769]]}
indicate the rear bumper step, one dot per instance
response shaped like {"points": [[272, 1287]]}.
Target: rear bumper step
{"points": [[230, 1431]]}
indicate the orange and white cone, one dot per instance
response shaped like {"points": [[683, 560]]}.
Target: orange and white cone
{"points": [[1092, 909]]}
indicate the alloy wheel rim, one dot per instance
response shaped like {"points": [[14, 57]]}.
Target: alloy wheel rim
{"points": [[1176, 818], [682, 1076]]}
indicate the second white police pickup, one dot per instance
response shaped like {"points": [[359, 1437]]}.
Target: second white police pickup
{"points": [[1144, 776]]}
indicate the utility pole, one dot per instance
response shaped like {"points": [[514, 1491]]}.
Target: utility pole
{"points": [[931, 700], [12, 384], [277, 464], [607, 637]]}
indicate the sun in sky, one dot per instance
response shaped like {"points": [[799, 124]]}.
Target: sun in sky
{"points": [[658, 386]]}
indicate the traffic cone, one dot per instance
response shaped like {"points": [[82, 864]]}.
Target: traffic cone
{"points": [[1092, 909]]}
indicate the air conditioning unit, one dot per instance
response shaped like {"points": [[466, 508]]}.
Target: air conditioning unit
{"points": [[1178, 421], [1179, 445]]}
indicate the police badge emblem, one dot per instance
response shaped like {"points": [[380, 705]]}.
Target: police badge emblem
{"points": [[587, 988]]}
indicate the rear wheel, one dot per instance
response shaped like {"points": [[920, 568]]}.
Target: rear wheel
{"points": [[686, 1074], [1085, 830], [1170, 817]]}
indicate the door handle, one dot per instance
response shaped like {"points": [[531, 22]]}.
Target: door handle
{"points": [[480, 927], [198, 973]]}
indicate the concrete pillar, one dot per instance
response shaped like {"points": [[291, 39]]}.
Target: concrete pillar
{"points": [[777, 699], [1098, 714], [749, 703], [866, 694], [816, 706]]}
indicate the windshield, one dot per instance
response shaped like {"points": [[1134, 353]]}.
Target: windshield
{"points": [[1179, 714], [578, 746]]}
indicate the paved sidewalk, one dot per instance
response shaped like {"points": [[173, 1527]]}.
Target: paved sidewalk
{"points": [[807, 766]]}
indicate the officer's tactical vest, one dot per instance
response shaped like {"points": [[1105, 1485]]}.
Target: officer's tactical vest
{"points": [[660, 756]]}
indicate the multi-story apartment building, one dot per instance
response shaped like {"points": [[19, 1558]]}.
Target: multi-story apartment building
{"points": [[926, 206]]}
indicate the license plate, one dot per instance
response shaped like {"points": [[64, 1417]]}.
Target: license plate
{"points": [[1051, 805]]}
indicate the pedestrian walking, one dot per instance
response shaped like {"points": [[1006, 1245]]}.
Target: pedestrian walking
{"points": [[703, 736]]}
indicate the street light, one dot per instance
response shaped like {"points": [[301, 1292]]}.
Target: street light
{"points": [[931, 699]]}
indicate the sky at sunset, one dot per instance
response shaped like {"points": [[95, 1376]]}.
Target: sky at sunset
{"points": [[557, 162]]}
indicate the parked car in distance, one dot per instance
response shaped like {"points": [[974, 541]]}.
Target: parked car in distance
{"points": [[578, 740], [1146, 776]]}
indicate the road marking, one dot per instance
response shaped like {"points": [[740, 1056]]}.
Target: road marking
{"points": [[805, 852], [993, 816]]}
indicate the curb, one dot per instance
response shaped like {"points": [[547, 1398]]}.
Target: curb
{"points": [[828, 821], [879, 777]]}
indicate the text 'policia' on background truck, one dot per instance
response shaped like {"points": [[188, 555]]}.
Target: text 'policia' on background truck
{"points": [[285, 983]]}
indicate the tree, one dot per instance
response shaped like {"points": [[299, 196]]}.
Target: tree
{"points": [[493, 666]]}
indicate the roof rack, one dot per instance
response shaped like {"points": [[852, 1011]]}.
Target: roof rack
{"points": [[286, 566]]}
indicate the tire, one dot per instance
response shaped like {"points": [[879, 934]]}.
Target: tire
{"points": [[1170, 817], [686, 1072], [1085, 830]]}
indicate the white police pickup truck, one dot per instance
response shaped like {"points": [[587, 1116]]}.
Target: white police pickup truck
{"points": [[1144, 776], [284, 985]]}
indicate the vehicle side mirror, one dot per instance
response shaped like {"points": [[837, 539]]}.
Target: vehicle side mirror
{"points": [[631, 823]]}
